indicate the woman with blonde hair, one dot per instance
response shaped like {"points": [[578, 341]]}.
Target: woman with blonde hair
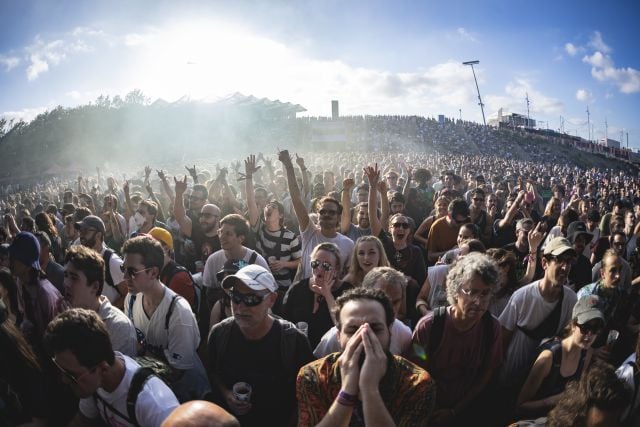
{"points": [[367, 254]]}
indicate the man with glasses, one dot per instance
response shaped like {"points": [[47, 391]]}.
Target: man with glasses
{"points": [[443, 234], [311, 235], [526, 249], [81, 350], [166, 326], [536, 311], [256, 348], [92, 232]]}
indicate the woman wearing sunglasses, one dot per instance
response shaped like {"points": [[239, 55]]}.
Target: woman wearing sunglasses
{"points": [[401, 253], [312, 300], [562, 360]]}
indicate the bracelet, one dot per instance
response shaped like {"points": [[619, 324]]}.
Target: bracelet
{"points": [[347, 399]]}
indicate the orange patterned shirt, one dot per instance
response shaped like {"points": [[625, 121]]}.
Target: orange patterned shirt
{"points": [[406, 389]]}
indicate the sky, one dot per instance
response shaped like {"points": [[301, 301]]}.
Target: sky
{"points": [[374, 57]]}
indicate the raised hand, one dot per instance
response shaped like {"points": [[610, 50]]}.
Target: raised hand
{"points": [[347, 184], [180, 185], [284, 157], [536, 236], [373, 174], [382, 187], [192, 171], [300, 161], [147, 173], [250, 166], [161, 175]]}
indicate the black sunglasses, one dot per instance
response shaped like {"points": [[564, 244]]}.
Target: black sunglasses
{"points": [[327, 212], [404, 225], [250, 300], [325, 265], [586, 328]]}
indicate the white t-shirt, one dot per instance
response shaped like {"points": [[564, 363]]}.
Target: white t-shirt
{"points": [[312, 237], [180, 341], [437, 275], [625, 373], [121, 330], [116, 274], [216, 261], [154, 404], [527, 308], [399, 344]]}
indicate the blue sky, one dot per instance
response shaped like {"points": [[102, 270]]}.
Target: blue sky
{"points": [[375, 57]]}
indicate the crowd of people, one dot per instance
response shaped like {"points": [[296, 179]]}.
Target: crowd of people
{"points": [[339, 288]]}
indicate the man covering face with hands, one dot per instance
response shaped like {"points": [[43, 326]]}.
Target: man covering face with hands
{"points": [[364, 383]]}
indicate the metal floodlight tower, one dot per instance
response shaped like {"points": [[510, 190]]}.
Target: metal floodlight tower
{"points": [[472, 63]]}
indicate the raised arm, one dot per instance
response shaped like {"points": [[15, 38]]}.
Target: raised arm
{"points": [[128, 204], [407, 184], [385, 207], [373, 175], [249, 168], [345, 219], [298, 204], [535, 237], [193, 173], [178, 207], [305, 177], [165, 186], [512, 210]]}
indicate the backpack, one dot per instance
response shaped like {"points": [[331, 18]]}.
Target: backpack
{"points": [[196, 287], [139, 333], [106, 256], [148, 367], [437, 331]]}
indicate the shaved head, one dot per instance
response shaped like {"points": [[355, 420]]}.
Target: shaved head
{"points": [[200, 413]]}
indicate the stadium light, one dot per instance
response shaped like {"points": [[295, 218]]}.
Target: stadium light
{"points": [[472, 63]]}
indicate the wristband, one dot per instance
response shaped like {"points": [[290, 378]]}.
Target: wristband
{"points": [[347, 399]]}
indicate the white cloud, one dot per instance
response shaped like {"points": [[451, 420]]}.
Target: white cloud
{"points": [[514, 100], [597, 43], [598, 60], [36, 67], [583, 95], [42, 54], [571, 49], [26, 114], [9, 62], [466, 35], [627, 79]]}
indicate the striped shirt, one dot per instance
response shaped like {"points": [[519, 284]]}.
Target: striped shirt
{"points": [[283, 244]]}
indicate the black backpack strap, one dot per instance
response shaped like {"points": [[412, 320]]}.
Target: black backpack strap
{"points": [[132, 300], [253, 257], [170, 310], [140, 377], [96, 398], [437, 329], [549, 326]]}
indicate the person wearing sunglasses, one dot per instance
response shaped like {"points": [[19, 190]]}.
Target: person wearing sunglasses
{"points": [[562, 359], [329, 211], [166, 326], [312, 300], [257, 348], [536, 311], [81, 352]]}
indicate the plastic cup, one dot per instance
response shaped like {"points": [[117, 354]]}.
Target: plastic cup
{"points": [[242, 391]]}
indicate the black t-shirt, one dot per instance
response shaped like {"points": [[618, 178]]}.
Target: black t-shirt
{"points": [[259, 363], [409, 260], [580, 273], [205, 245], [299, 308]]}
